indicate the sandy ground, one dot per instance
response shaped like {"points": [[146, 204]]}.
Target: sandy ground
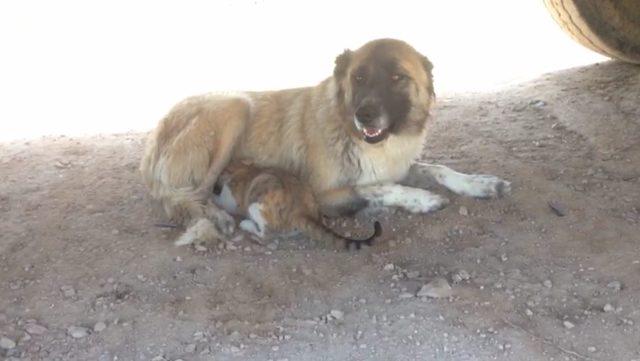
{"points": [[85, 274]]}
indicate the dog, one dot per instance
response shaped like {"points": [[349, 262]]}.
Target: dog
{"points": [[273, 201], [352, 138]]}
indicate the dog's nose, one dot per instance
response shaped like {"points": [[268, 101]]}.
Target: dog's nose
{"points": [[367, 113]]}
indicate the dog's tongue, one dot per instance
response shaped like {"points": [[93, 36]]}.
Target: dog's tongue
{"points": [[371, 132]]}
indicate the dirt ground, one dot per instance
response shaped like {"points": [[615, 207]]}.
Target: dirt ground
{"points": [[85, 274]]}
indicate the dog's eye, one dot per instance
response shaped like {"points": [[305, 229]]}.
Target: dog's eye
{"points": [[359, 78], [397, 77]]}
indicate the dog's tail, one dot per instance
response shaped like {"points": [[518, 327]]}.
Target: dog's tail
{"points": [[319, 232]]}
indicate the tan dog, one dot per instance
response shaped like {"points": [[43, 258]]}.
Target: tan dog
{"points": [[350, 138], [272, 201]]}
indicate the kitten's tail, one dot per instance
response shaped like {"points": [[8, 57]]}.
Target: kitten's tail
{"points": [[319, 232]]}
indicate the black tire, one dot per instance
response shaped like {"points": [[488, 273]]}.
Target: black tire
{"points": [[610, 27]]}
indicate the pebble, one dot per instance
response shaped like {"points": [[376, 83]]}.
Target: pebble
{"points": [[99, 326], [413, 274], [528, 312], [389, 267], [78, 332], [7, 343], [336, 314], [461, 275], [463, 211], [615, 286], [190, 348], [68, 291], [547, 283], [568, 325], [608, 308], [35, 329], [592, 349], [537, 103], [405, 295], [437, 288]]}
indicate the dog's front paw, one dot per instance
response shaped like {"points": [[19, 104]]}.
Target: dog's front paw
{"points": [[486, 186], [422, 201], [425, 204]]}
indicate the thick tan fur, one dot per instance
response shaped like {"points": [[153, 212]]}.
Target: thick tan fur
{"points": [[305, 131]]}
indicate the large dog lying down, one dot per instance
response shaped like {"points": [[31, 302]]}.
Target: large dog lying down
{"points": [[351, 138]]}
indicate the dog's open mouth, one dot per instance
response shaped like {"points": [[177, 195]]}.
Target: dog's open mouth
{"points": [[371, 134], [374, 135]]}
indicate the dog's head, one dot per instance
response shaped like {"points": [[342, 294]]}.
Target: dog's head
{"points": [[385, 87]]}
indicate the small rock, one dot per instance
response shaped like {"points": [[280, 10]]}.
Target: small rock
{"points": [[389, 267], [437, 288], [568, 325], [537, 103], [35, 329], [615, 286], [463, 211], [558, 208], [592, 349], [115, 232], [201, 248], [190, 348], [235, 349], [608, 308], [99, 326], [461, 275], [78, 332], [405, 295], [7, 343], [413, 274], [178, 259], [547, 283], [273, 246], [503, 257], [528, 312], [68, 291], [336, 314]]}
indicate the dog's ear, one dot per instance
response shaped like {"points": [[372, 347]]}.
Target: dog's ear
{"points": [[428, 68], [342, 64]]}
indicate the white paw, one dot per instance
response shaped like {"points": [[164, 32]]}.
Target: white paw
{"points": [[413, 200], [485, 186], [422, 201], [199, 232], [252, 227]]}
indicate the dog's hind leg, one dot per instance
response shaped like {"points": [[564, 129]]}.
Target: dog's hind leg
{"points": [[472, 185]]}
